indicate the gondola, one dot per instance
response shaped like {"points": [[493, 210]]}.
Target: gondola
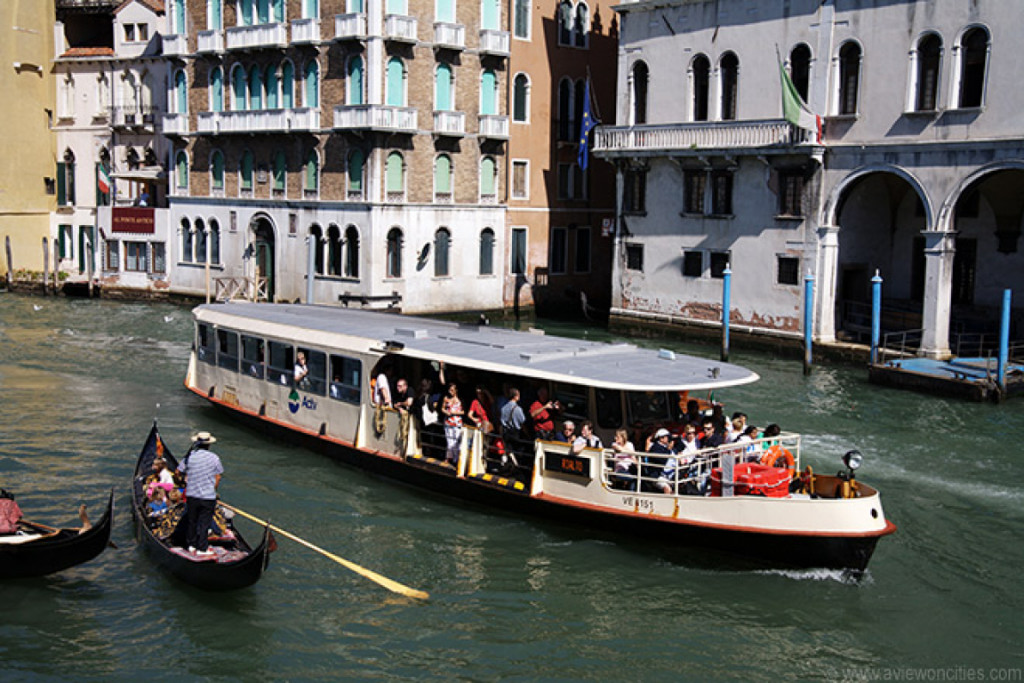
{"points": [[38, 549], [235, 565]]}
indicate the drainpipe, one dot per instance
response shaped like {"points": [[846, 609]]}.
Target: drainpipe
{"points": [[808, 320]]}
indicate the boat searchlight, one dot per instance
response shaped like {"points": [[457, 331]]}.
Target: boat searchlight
{"points": [[853, 459]]}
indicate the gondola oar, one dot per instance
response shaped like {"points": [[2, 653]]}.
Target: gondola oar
{"points": [[393, 586]]}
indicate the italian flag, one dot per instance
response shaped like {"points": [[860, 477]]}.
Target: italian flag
{"points": [[794, 109], [103, 179]]}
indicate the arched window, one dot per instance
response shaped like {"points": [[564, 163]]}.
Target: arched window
{"points": [[287, 85], [217, 170], [278, 11], [316, 233], [394, 253], [488, 179], [239, 100], [565, 109], [310, 9], [66, 179], [565, 20], [442, 243], [201, 242], [186, 240], [334, 250], [395, 177], [179, 17], [800, 69], [215, 21], [245, 11], [578, 102], [354, 95], [312, 172], [487, 252], [245, 181], [729, 68], [279, 171], [521, 29], [255, 88], [973, 63], [700, 70], [355, 174], [640, 78], [180, 92], [490, 15], [395, 96], [443, 178], [929, 57], [217, 89], [312, 84], [443, 88], [581, 26], [849, 77], [181, 167], [445, 11], [351, 251], [263, 11], [214, 241], [271, 86], [102, 94], [488, 93], [521, 98]]}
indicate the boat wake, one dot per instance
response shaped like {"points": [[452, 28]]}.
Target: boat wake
{"points": [[844, 576]]}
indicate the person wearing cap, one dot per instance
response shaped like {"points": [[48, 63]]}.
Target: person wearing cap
{"points": [[653, 469], [202, 469]]}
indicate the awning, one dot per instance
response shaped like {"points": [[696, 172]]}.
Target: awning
{"points": [[147, 174]]}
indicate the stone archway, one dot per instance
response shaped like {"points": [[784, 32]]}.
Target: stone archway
{"points": [[264, 251]]}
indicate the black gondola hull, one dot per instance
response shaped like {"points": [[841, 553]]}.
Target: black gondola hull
{"points": [[206, 575], [67, 549]]}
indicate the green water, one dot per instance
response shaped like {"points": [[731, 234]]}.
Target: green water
{"points": [[511, 599]]}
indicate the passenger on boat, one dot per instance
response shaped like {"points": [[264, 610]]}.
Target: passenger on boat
{"points": [[451, 410], [403, 398], [587, 438], [568, 433], [693, 414], [771, 432], [687, 443], [301, 370], [711, 438], [480, 410], [660, 460], [203, 470], [718, 417], [157, 504], [624, 476], [512, 417], [542, 413], [739, 425], [162, 474], [382, 387]]}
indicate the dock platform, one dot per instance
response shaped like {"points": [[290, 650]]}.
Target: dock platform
{"points": [[970, 378]]}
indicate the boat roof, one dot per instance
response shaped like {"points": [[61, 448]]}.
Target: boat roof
{"points": [[530, 354]]}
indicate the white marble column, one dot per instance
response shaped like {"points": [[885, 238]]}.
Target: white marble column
{"points": [[826, 268], [939, 247]]}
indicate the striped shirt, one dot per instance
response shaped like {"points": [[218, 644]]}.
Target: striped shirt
{"points": [[202, 468]]}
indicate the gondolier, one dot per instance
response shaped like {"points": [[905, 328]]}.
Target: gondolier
{"points": [[202, 469]]}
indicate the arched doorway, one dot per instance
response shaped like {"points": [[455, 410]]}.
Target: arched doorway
{"points": [[880, 215], [263, 252]]}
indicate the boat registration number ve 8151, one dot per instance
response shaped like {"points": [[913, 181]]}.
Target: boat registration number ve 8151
{"points": [[567, 464]]}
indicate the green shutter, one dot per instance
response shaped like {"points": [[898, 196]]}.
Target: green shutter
{"points": [[62, 190], [394, 172]]}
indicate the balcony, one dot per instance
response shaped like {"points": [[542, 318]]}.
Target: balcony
{"points": [[305, 31], [210, 42], [175, 124], [132, 116], [450, 123], [494, 42], [175, 44], [400, 28], [255, 37], [450, 36], [494, 126], [303, 119], [375, 117], [699, 138], [350, 26]]}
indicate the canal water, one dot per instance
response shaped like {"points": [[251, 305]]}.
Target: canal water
{"points": [[511, 598]]}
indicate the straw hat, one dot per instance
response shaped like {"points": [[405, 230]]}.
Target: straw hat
{"points": [[204, 438]]}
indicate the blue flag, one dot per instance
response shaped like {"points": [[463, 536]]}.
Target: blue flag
{"points": [[586, 125]]}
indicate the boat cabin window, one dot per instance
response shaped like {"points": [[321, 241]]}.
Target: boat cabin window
{"points": [[281, 369], [315, 381], [574, 400], [609, 408], [252, 356], [227, 350], [346, 374], [650, 407], [205, 349]]}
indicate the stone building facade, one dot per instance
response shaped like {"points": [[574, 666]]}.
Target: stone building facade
{"points": [[917, 176], [364, 141]]}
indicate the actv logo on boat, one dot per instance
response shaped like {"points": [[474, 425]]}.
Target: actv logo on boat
{"points": [[294, 402]]}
